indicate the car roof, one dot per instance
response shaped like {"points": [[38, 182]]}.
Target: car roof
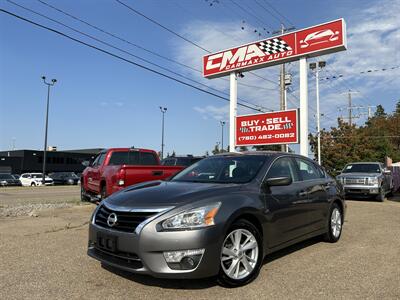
{"points": [[364, 162]]}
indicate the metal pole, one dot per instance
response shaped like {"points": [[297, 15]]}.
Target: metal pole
{"points": [[350, 110], [282, 88], [285, 108], [222, 134], [318, 116], [303, 107], [232, 110], [163, 111], [45, 135]]}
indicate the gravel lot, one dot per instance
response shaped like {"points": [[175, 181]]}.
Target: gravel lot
{"points": [[20, 201], [45, 258]]}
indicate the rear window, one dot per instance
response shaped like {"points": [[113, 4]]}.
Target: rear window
{"points": [[6, 176], [132, 158]]}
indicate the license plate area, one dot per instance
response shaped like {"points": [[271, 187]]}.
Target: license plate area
{"points": [[107, 242]]}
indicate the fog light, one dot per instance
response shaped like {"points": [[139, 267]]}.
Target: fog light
{"points": [[374, 191], [183, 259]]}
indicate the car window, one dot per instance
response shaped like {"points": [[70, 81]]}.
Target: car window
{"points": [[307, 169], [94, 163], [168, 162], [283, 167], [6, 176], [25, 176], [148, 159]]}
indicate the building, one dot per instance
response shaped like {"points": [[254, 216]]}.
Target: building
{"points": [[24, 161]]}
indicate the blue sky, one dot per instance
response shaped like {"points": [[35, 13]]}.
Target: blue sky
{"points": [[100, 101]]}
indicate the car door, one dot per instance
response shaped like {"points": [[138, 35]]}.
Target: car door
{"points": [[93, 165], [286, 206], [96, 172], [315, 186]]}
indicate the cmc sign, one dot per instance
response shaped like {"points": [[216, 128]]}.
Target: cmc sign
{"points": [[279, 127], [314, 41]]}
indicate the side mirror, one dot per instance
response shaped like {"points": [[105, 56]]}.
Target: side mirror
{"points": [[278, 181], [86, 163]]}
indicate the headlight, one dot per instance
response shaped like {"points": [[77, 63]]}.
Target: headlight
{"points": [[194, 218], [373, 180]]}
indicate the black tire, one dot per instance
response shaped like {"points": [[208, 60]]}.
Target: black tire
{"points": [[33, 184], [84, 198], [381, 196], [225, 280], [331, 235], [103, 192]]}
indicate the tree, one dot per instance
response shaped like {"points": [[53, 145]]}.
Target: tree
{"points": [[243, 148], [216, 149], [397, 111], [380, 111], [267, 148]]}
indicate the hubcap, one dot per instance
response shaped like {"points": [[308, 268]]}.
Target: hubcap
{"points": [[239, 254], [336, 222]]}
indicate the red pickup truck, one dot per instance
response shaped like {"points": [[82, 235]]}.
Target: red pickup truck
{"points": [[116, 168]]}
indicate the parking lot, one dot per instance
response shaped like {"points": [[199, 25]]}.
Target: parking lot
{"points": [[44, 256]]}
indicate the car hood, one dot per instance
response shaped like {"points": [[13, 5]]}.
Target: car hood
{"points": [[359, 174], [167, 193]]}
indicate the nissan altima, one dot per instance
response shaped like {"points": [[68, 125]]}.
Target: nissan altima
{"points": [[219, 217]]}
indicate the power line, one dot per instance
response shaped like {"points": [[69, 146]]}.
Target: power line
{"points": [[362, 72], [277, 11], [159, 24], [131, 43], [268, 11], [119, 57], [176, 34], [250, 14]]}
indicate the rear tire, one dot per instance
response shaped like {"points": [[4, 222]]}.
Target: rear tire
{"points": [[103, 192], [335, 223], [240, 262], [33, 184]]}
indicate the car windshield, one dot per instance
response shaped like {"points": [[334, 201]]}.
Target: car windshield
{"points": [[223, 169], [6, 176], [37, 175], [362, 168]]}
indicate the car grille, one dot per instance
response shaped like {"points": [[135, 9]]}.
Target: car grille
{"points": [[126, 221], [130, 260], [359, 181]]}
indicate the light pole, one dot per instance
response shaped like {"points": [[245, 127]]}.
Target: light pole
{"points": [[222, 134], [317, 68], [49, 84], [163, 111]]}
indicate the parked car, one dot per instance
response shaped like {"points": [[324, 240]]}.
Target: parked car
{"points": [[16, 176], [220, 216], [366, 179], [117, 168], [65, 178], [8, 180], [35, 179], [181, 160]]}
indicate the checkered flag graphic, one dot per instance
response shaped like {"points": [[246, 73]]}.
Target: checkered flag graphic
{"points": [[275, 45]]}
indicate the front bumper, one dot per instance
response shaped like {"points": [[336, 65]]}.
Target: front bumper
{"points": [[143, 253], [361, 190]]}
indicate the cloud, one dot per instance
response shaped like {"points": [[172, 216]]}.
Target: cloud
{"points": [[215, 112]]}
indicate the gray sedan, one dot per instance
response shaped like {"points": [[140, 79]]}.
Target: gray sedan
{"points": [[220, 216]]}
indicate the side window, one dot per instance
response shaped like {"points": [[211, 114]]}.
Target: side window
{"points": [[25, 176], [307, 169], [169, 162], [283, 167], [321, 172], [101, 159], [147, 159], [94, 163]]}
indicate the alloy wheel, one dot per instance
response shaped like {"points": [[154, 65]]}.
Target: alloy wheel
{"points": [[239, 254], [336, 222]]}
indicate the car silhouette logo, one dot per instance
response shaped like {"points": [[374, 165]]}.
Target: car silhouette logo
{"points": [[112, 220], [318, 37]]}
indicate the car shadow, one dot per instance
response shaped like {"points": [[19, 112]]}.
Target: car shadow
{"points": [[204, 283], [394, 198]]}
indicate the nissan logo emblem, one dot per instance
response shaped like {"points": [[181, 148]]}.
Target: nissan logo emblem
{"points": [[112, 220]]}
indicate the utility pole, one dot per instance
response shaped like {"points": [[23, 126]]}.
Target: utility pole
{"points": [[222, 134], [163, 111], [350, 109], [49, 84], [282, 81], [317, 68]]}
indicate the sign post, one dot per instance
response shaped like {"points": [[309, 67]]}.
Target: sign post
{"points": [[303, 107], [232, 110]]}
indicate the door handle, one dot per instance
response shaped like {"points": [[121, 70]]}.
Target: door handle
{"points": [[157, 173], [303, 193]]}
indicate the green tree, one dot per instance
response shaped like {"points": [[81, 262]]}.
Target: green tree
{"points": [[380, 111], [216, 149]]}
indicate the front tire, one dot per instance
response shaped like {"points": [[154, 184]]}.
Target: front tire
{"points": [[103, 192], [335, 224], [33, 184], [381, 196], [84, 198], [241, 255]]}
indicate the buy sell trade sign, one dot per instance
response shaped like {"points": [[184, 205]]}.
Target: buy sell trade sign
{"points": [[310, 42], [280, 127]]}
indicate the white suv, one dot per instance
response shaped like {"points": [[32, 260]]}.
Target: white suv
{"points": [[34, 179]]}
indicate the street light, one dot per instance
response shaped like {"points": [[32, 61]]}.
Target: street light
{"points": [[317, 68], [49, 84], [222, 134], [163, 111]]}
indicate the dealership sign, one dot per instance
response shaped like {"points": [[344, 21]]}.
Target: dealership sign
{"points": [[280, 127], [314, 41]]}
